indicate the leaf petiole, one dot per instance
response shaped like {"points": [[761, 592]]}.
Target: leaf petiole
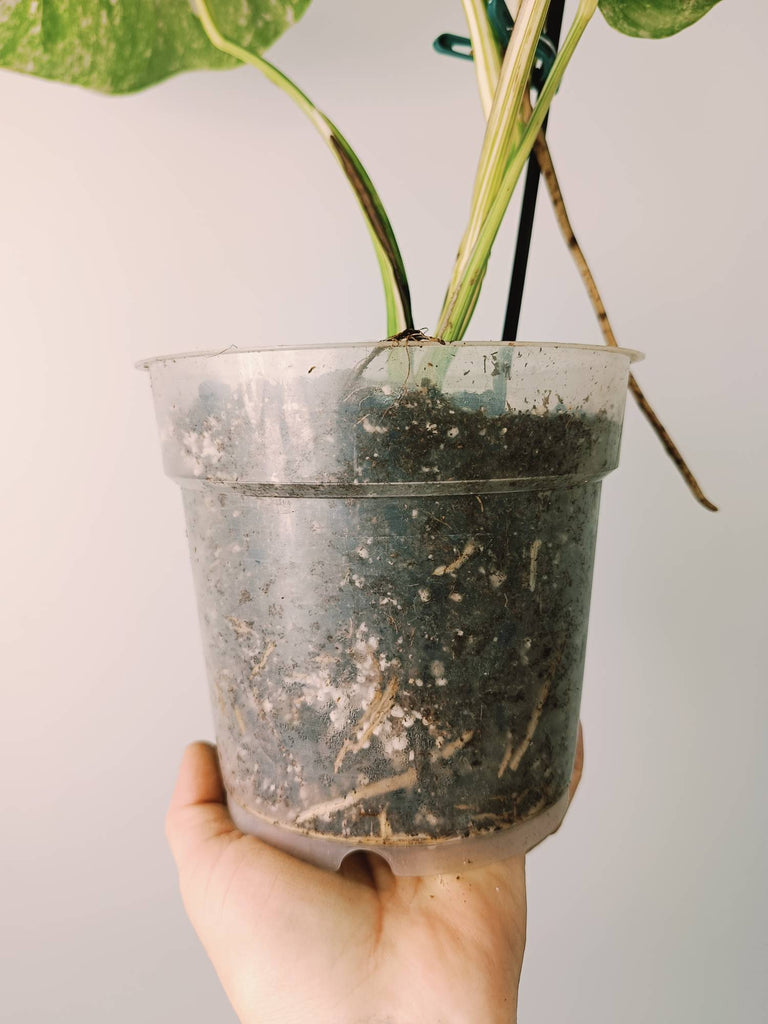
{"points": [[395, 281]]}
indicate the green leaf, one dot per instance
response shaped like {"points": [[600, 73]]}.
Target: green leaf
{"points": [[653, 19], [119, 46]]}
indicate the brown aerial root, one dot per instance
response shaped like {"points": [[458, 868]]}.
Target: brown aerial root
{"points": [[672, 450], [544, 159]]}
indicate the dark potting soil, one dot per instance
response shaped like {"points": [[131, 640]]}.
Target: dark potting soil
{"points": [[423, 436], [405, 666]]}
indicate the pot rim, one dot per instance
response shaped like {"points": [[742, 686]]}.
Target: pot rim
{"points": [[233, 350]]}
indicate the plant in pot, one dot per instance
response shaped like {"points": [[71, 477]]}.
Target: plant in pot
{"points": [[392, 542]]}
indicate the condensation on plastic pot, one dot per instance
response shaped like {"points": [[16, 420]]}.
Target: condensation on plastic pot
{"points": [[392, 550]]}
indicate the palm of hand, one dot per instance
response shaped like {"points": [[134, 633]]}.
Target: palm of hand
{"points": [[293, 943]]}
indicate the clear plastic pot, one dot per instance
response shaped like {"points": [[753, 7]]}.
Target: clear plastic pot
{"points": [[392, 550]]}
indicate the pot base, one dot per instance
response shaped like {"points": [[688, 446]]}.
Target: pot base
{"points": [[446, 856]]}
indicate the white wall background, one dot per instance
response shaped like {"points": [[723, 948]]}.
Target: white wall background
{"points": [[203, 213]]}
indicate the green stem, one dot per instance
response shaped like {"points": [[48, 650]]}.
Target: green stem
{"points": [[500, 138], [485, 51], [396, 291], [460, 304]]}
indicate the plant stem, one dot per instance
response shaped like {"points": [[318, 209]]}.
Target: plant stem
{"points": [[485, 52], [500, 138], [465, 286], [396, 291]]}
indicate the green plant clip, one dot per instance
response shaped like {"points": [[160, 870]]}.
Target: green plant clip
{"points": [[502, 23], [453, 46]]}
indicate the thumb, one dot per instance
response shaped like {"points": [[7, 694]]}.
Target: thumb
{"points": [[197, 814], [578, 764]]}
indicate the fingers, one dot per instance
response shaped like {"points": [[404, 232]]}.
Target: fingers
{"points": [[197, 812], [199, 780], [578, 764], [576, 773]]}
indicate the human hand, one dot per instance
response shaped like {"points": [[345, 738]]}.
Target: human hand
{"points": [[294, 944]]}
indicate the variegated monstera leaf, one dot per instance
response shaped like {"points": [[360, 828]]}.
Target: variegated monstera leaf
{"points": [[118, 46], [653, 19]]}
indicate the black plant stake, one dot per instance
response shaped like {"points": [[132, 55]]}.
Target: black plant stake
{"points": [[552, 28]]}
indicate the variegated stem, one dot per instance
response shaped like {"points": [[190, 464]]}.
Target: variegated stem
{"points": [[461, 301], [500, 138], [397, 295]]}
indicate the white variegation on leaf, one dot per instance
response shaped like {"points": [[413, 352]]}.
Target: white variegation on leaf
{"points": [[654, 19], [119, 46]]}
